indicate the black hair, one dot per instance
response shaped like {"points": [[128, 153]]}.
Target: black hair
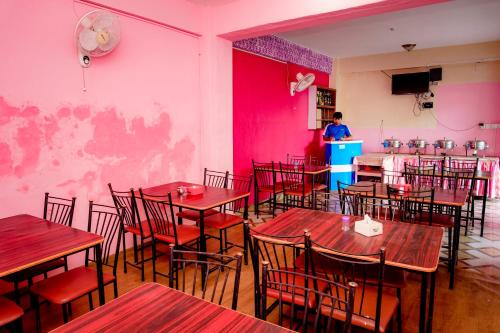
{"points": [[337, 115]]}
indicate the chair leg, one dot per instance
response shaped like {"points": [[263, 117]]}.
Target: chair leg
{"points": [[153, 248], [245, 246], [400, 315], [65, 313], [115, 288], [273, 199], [18, 325], [449, 249], [91, 302], [221, 242], [70, 309], [35, 305], [142, 259], [136, 259], [124, 255], [225, 241]]}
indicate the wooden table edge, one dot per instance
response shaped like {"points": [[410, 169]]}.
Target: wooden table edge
{"points": [[47, 259], [220, 203]]}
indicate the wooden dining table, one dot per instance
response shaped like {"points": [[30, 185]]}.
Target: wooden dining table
{"points": [[412, 247], [212, 197], [28, 241], [153, 308], [453, 199]]}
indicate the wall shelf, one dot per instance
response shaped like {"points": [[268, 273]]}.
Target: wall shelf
{"points": [[322, 106]]}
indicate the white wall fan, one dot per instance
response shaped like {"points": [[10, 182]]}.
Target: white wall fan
{"points": [[303, 82], [96, 34]]}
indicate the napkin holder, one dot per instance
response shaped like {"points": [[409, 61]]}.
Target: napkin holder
{"points": [[368, 227]]}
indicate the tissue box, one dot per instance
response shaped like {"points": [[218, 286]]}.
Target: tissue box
{"points": [[195, 189], [368, 227]]}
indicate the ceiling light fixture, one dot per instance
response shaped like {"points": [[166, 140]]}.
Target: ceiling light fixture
{"points": [[408, 47]]}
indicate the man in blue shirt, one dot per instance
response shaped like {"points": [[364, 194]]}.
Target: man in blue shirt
{"points": [[337, 131]]}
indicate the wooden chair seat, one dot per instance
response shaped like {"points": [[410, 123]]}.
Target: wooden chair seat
{"points": [[319, 187], [9, 311], [70, 285], [146, 232], [278, 188], [194, 215], [389, 306], [286, 294], [223, 221], [185, 234]]}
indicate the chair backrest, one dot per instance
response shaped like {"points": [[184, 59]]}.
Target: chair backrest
{"points": [[317, 161], [215, 178], [354, 198], [264, 174], [467, 164], [239, 183], [393, 177], [328, 301], [128, 201], [411, 204], [420, 175], [160, 214], [296, 159], [367, 270], [185, 266], [107, 222], [460, 179], [292, 176], [59, 210], [327, 202]]}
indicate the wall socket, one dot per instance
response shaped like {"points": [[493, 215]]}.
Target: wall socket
{"points": [[488, 126], [427, 105]]}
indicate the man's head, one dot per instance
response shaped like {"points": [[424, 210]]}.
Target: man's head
{"points": [[337, 118]]}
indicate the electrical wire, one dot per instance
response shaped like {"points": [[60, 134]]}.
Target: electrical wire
{"points": [[449, 128]]}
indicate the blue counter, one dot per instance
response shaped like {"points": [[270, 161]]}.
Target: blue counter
{"points": [[340, 155]]}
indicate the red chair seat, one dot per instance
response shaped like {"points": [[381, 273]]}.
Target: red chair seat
{"points": [[6, 287], [286, 292], [223, 221], [319, 187], [438, 220], [9, 311], [70, 285], [137, 231], [389, 306], [269, 188], [185, 234], [194, 215]]}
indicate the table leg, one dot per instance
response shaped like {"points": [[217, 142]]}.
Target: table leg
{"points": [[483, 210], [245, 241], [423, 303], [203, 245], [100, 282], [255, 197], [431, 302], [454, 249]]}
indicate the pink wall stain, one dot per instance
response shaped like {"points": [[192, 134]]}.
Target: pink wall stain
{"points": [[81, 112], [24, 188], [29, 140], [63, 112], [50, 128], [5, 159], [7, 111], [268, 123]]}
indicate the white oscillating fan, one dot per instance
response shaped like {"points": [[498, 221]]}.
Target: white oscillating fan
{"points": [[96, 34], [303, 82]]}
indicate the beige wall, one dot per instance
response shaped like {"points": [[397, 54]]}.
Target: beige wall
{"points": [[364, 90]]}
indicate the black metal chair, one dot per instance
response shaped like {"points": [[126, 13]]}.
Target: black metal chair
{"points": [[373, 308], [439, 164], [283, 253], [392, 177], [134, 226], [297, 159], [68, 286], [231, 215], [420, 175], [328, 299], [265, 178], [210, 178], [355, 198], [160, 215], [185, 266], [295, 188]]}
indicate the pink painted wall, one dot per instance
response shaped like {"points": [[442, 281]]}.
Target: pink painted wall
{"points": [[268, 123], [458, 106], [137, 124]]}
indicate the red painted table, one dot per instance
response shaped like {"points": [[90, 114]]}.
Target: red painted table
{"points": [[28, 241], [409, 246], [156, 308]]}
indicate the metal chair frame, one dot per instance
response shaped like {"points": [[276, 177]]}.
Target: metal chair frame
{"points": [[264, 178]]}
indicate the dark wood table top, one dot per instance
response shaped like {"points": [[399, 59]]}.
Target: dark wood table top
{"points": [[156, 308], [441, 197], [28, 241], [212, 196], [309, 169], [410, 246]]}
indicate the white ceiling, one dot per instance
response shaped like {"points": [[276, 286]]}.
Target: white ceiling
{"points": [[451, 23]]}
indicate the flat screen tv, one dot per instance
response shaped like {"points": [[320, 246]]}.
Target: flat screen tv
{"points": [[411, 83]]}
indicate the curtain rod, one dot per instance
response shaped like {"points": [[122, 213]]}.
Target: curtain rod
{"points": [[138, 17]]}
